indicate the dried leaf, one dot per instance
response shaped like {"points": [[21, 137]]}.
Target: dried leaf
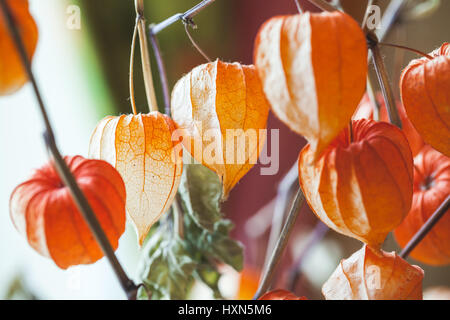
{"points": [[370, 274], [215, 105], [150, 162], [313, 68], [362, 189], [425, 91]]}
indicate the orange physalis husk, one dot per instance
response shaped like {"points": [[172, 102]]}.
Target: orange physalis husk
{"points": [[43, 211], [12, 73], [280, 295], [365, 111], [431, 188], [425, 91], [314, 69], [222, 112], [141, 148], [248, 283], [371, 274], [362, 189]]}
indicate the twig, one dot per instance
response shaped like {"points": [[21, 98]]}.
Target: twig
{"points": [[161, 70], [188, 15], [299, 6], [426, 228], [268, 274], [383, 79], [196, 46], [288, 185], [64, 172], [420, 53], [145, 57], [390, 17], [131, 76], [366, 15]]}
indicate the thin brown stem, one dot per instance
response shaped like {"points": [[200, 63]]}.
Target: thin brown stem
{"points": [[426, 228], [350, 132], [187, 16], [267, 276], [366, 15], [386, 88], [196, 46], [145, 57], [420, 53], [285, 192], [131, 76], [161, 70]]}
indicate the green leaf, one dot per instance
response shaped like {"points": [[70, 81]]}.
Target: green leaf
{"points": [[221, 246], [215, 245], [171, 264], [167, 267], [201, 191], [209, 275]]}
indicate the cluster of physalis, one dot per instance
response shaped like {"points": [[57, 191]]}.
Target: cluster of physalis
{"points": [[363, 180]]}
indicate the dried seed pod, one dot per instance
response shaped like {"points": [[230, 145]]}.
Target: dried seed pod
{"points": [[371, 274], [141, 148], [12, 73], [365, 111], [216, 104], [42, 210], [314, 69], [431, 188], [363, 188], [425, 91]]}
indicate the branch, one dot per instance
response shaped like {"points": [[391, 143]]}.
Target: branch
{"points": [[187, 16], [383, 79], [426, 228], [145, 57], [61, 167], [161, 70], [269, 272], [288, 185]]}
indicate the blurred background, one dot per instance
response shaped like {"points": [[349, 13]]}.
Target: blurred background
{"points": [[83, 75]]}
